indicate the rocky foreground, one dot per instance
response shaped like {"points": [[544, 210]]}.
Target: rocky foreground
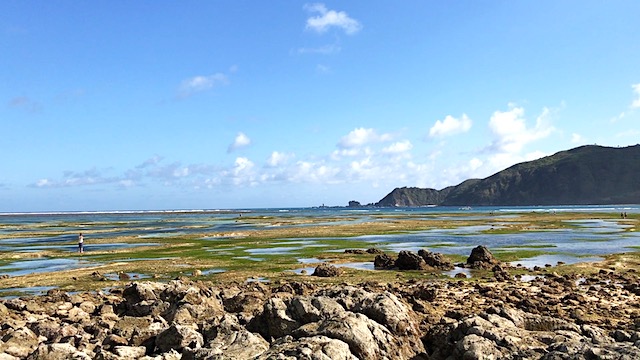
{"points": [[550, 317]]}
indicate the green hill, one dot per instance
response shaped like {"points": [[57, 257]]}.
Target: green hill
{"points": [[585, 175]]}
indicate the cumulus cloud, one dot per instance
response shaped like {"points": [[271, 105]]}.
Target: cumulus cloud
{"points": [[240, 141], [398, 147], [636, 102], [511, 131], [201, 83], [450, 126], [278, 158], [362, 136], [327, 19]]}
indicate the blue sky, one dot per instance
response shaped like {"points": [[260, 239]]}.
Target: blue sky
{"points": [[133, 105]]}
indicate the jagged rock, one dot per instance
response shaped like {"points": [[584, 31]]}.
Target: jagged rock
{"points": [[436, 260], [366, 338], [130, 352], [371, 323], [315, 347], [61, 351], [178, 337], [19, 343], [408, 260], [233, 340], [551, 317], [327, 270], [383, 261], [481, 258]]}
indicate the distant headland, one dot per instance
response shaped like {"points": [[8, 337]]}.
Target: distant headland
{"points": [[586, 175]]}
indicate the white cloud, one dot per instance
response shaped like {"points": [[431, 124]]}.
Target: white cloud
{"points": [[577, 138], [636, 89], [511, 130], [450, 126], [324, 50], [398, 147], [240, 141], [314, 172], [43, 183], [242, 172], [201, 83], [362, 136], [278, 159], [330, 18]]}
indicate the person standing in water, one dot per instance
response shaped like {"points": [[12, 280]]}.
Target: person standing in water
{"points": [[81, 243]]}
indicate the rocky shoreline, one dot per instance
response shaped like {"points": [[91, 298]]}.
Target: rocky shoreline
{"points": [[550, 317]]}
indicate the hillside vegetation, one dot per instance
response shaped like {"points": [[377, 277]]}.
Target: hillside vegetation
{"points": [[590, 174]]}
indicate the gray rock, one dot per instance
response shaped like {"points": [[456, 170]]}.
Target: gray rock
{"points": [[178, 337], [130, 352], [234, 341], [62, 351], [366, 338], [311, 348], [19, 343]]}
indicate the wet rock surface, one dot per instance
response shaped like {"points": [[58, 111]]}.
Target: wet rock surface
{"points": [[551, 317]]}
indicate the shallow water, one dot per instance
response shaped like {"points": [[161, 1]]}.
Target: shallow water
{"points": [[132, 275], [34, 290], [456, 270], [552, 259], [212, 271], [21, 232], [43, 265]]}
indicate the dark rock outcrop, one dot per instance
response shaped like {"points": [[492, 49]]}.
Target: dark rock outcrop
{"points": [[436, 260], [408, 260], [481, 258], [384, 261], [327, 270]]}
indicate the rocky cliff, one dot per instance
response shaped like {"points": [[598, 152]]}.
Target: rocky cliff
{"points": [[585, 175]]}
